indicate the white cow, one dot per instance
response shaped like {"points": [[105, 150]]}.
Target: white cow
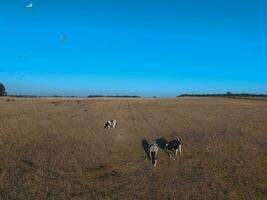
{"points": [[153, 151]]}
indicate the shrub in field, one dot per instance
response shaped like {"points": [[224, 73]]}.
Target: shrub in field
{"points": [[2, 90]]}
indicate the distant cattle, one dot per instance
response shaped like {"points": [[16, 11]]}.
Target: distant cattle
{"points": [[54, 103], [111, 124], [7, 100], [153, 151], [174, 146], [84, 110]]}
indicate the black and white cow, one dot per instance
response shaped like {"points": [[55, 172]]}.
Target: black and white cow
{"points": [[111, 124], [174, 146], [153, 151]]}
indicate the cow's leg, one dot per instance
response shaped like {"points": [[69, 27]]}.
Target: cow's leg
{"points": [[155, 162], [180, 149], [170, 153]]}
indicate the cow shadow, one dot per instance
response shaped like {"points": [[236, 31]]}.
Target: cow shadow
{"points": [[145, 145], [161, 142]]}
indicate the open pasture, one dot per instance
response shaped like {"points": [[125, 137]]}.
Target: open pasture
{"points": [[57, 148]]}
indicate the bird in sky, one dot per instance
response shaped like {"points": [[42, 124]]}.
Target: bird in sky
{"points": [[30, 5], [63, 37]]}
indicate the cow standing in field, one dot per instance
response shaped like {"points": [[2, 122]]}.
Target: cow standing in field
{"points": [[153, 151], [111, 124], [174, 146], [114, 123]]}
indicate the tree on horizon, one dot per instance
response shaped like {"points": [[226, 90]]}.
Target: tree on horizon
{"points": [[2, 90]]}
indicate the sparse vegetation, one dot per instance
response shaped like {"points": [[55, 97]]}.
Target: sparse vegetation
{"points": [[50, 152]]}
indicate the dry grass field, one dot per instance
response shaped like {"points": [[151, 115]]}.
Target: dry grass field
{"points": [[53, 149]]}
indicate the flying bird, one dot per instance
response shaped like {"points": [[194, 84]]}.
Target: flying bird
{"points": [[63, 37], [30, 5]]}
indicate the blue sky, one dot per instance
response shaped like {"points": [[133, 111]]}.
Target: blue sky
{"points": [[133, 47]]}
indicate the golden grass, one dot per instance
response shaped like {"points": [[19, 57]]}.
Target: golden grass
{"points": [[54, 150]]}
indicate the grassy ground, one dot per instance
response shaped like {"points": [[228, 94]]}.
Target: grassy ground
{"points": [[52, 149]]}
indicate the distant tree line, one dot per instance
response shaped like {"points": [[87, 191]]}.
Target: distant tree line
{"points": [[2, 90], [227, 94], [116, 96]]}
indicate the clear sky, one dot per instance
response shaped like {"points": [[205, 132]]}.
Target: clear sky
{"points": [[133, 47]]}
